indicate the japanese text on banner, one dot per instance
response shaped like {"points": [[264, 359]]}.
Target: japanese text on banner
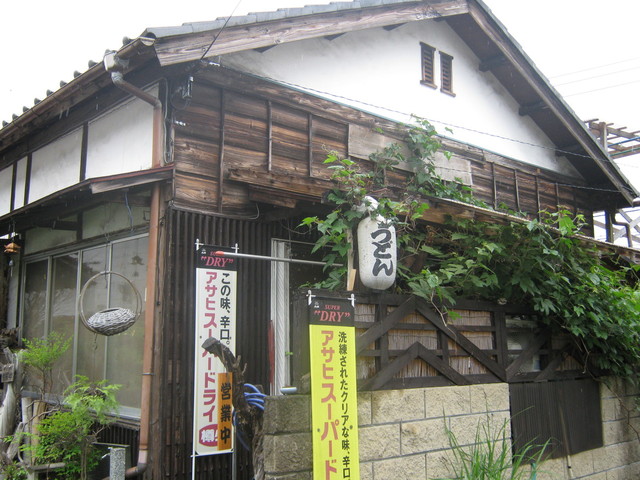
{"points": [[333, 391], [215, 317]]}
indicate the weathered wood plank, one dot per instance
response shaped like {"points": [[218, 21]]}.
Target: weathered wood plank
{"points": [[195, 156], [311, 187], [242, 158], [199, 191], [187, 48]]}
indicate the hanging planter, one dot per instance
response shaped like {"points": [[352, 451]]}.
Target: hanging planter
{"points": [[110, 321]]}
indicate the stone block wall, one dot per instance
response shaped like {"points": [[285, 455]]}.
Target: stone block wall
{"points": [[402, 433]]}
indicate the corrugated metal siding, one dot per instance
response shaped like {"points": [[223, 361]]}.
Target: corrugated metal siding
{"points": [[176, 369]]}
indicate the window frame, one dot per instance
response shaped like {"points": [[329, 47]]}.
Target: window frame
{"points": [[50, 256], [428, 62], [446, 74]]}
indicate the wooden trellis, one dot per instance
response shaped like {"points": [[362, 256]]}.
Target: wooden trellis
{"points": [[405, 342]]}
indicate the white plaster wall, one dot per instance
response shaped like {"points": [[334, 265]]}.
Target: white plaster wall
{"points": [[55, 166], [6, 178], [379, 71], [121, 140], [21, 179]]}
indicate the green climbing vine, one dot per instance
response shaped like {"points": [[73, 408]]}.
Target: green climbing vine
{"points": [[541, 263]]}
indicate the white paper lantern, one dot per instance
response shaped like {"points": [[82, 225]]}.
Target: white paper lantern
{"points": [[377, 252]]}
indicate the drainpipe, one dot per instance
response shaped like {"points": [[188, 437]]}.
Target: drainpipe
{"points": [[115, 66]]}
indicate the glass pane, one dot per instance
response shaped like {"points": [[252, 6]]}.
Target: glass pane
{"points": [[35, 299], [91, 347], [63, 314], [124, 358]]}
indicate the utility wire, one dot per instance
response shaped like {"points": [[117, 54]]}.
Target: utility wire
{"points": [[593, 68], [585, 79], [221, 30], [600, 89]]}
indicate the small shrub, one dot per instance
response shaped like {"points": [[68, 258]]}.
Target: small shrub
{"points": [[68, 435], [13, 472], [41, 354], [490, 456]]}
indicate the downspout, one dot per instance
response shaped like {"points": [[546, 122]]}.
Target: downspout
{"points": [[114, 65]]}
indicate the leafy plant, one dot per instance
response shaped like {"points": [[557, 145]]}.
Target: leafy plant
{"points": [[542, 263], [573, 286], [13, 471], [354, 185], [41, 355], [68, 435], [490, 457]]}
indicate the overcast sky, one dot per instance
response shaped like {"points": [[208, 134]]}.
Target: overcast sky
{"points": [[587, 49]]}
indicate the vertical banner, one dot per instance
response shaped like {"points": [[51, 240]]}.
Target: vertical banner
{"points": [[334, 396], [216, 279]]}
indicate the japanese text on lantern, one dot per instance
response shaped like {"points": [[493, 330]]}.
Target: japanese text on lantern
{"points": [[333, 391], [215, 317]]}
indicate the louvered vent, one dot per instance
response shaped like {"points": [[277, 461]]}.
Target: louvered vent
{"points": [[428, 57], [446, 71]]}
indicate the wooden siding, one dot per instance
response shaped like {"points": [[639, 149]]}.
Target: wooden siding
{"points": [[172, 435], [243, 140], [223, 131]]}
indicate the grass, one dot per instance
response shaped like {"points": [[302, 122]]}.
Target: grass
{"points": [[490, 456]]}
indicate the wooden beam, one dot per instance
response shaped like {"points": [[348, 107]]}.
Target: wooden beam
{"points": [[312, 188], [558, 357], [530, 108], [310, 144], [264, 49], [492, 62], [256, 194], [269, 135], [190, 47]]}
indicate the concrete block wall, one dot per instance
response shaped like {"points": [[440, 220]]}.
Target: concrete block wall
{"points": [[402, 433]]}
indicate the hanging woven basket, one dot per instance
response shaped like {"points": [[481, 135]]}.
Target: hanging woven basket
{"points": [[111, 320]]}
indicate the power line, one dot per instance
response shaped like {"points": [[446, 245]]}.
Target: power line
{"points": [[596, 76], [594, 68], [600, 89]]}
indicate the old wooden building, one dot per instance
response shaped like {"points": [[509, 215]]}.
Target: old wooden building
{"points": [[216, 132]]}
